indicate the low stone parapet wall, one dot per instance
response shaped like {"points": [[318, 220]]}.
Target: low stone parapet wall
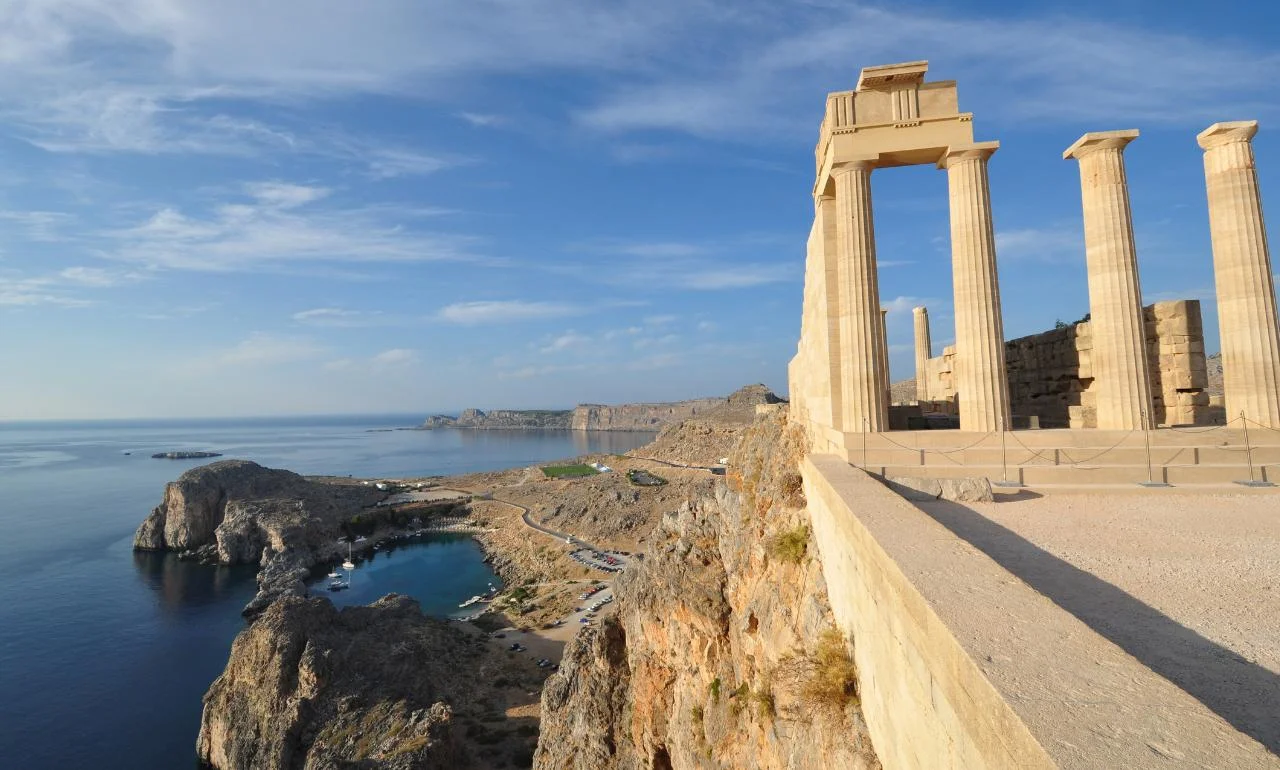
{"points": [[963, 665]]}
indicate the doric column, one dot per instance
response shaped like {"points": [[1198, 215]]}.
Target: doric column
{"points": [[979, 372], [884, 357], [924, 351], [862, 399], [1242, 272], [1121, 374]]}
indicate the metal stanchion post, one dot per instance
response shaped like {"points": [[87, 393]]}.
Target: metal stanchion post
{"points": [[1004, 462], [1248, 453], [1146, 440]]}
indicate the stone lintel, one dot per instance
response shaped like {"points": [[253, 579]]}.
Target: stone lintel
{"points": [[958, 152], [1099, 140], [850, 163], [885, 75], [1225, 133]]}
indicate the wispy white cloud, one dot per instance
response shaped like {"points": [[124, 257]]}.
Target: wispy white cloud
{"points": [[567, 341], [395, 357], [507, 311], [687, 265], [481, 119], [340, 318], [1067, 70], [280, 224], [99, 277], [1057, 243], [266, 348]]}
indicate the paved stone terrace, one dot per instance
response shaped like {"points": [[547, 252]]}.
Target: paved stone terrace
{"points": [[1188, 583]]}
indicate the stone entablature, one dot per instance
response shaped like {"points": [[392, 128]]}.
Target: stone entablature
{"points": [[1051, 374]]}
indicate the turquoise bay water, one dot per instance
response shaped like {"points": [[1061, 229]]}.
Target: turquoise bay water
{"points": [[104, 653]]}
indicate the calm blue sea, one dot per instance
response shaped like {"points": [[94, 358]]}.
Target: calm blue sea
{"points": [[104, 653]]}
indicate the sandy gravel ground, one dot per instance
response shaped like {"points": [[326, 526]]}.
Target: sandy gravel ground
{"points": [[1188, 583]]}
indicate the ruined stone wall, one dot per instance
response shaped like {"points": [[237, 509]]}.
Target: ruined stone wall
{"points": [[1050, 374]]}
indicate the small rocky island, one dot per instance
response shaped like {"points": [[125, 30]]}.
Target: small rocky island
{"points": [[238, 512], [183, 455]]}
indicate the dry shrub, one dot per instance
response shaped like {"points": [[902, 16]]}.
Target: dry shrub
{"points": [[833, 682], [790, 545], [793, 489]]}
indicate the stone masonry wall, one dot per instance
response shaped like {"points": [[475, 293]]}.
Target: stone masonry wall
{"points": [[1050, 373]]}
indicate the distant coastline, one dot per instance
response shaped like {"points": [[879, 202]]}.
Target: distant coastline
{"points": [[650, 417], [184, 455]]}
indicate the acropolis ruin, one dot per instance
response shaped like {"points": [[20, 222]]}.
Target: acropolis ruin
{"points": [[1127, 377]]}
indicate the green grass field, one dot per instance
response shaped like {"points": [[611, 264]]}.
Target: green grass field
{"points": [[569, 471]]}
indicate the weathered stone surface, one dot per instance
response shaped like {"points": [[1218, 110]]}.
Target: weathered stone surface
{"points": [[1051, 374], [924, 489], [311, 687], [703, 665]]}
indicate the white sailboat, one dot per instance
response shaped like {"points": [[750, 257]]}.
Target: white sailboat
{"points": [[348, 564]]}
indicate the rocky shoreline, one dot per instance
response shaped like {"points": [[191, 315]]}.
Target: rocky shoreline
{"points": [[238, 512], [382, 686]]}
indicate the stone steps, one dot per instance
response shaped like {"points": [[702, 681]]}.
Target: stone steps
{"points": [[1068, 475]]}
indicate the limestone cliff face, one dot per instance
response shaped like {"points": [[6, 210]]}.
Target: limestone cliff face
{"points": [[238, 512], [196, 504], [309, 686], [503, 419], [639, 416], [712, 658]]}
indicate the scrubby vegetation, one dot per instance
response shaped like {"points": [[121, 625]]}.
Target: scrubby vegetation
{"points": [[569, 471], [365, 522], [790, 545], [645, 478], [833, 681]]}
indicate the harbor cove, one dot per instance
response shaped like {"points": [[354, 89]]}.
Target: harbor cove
{"points": [[105, 652]]}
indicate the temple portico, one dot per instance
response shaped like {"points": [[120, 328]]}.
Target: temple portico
{"points": [[894, 118]]}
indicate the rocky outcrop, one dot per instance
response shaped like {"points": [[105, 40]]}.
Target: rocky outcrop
{"points": [[714, 657], [503, 419], [238, 512], [383, 686], [639, 416], [636, 417]]}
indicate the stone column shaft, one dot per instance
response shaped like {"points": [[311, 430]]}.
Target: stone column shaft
{"points": [[1122, 376], [924, 351], [979, 375], [1242, 272], [862, 399], [884, 357]]}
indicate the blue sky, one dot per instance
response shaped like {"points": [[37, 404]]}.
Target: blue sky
{"points": [[308, 206]]}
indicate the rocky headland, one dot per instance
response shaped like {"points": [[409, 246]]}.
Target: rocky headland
{"points": [[382, 686], [720, 651], [238, 512], [630, 417]]}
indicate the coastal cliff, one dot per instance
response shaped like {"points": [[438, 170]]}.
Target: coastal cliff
{"points": [[238, 512], [502, 419], [382, 686], [639, 416], [633, 417], [723, 652]]}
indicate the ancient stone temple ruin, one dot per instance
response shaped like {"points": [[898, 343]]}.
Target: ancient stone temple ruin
{"points": [[1113, 380]]}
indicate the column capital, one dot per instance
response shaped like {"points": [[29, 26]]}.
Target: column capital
{"points": [[961, 152], [1226, 133], [865, 163], [1100, 140], [921, 310]]}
